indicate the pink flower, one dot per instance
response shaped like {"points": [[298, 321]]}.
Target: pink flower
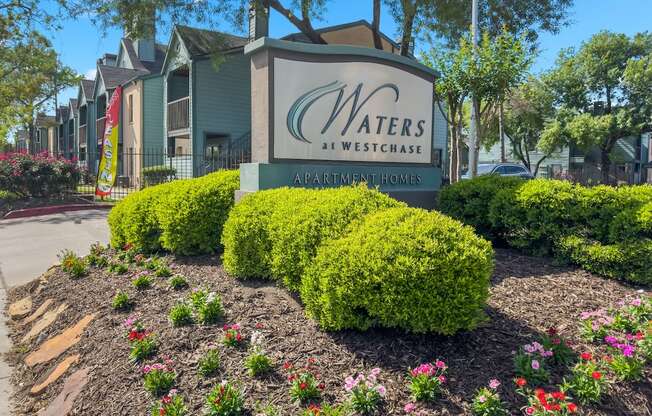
{"points": [[440, 364], [482, 399], [535, 365], [442, 379], [636, 302], [493, 383], [381, 390], [409, 408]]}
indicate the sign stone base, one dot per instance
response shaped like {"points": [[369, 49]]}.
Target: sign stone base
{"points": [[417, 186]]}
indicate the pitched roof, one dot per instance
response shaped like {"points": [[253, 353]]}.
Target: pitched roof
{"points": [[301, 37], [43, 120], [204, 42], [74, 104], [62, 113], [152, 67], [113, 76], [87, 88]]}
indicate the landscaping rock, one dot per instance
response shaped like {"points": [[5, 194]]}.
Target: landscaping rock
{"points": [[37, 313], [20, 308], [54, 374], [55, 346], [44, 322], [62, 404]]}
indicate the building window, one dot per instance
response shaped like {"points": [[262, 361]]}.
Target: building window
{"points": [[130, 105]]}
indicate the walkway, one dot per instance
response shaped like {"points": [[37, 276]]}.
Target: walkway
{"points": [[28, 247]]}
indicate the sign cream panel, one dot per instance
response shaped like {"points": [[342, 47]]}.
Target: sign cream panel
{"points": [[351, 111]]}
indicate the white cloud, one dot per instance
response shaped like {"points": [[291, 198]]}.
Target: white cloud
{"points": [[90, 74]]}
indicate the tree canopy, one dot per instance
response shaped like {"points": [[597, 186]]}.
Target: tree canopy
{"points": [[603, 92]]}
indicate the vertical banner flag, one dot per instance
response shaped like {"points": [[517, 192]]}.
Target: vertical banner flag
{"points": [[108, 168]]}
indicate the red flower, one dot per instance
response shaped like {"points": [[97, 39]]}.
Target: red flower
{"points": [[559, 395], [586, 356], [167, 399], [303, 386], [596, 375], [639, 335], [551, 331], [287, 365], [529, 410], [572, 407], [321, 386], [162, 411], [520, 382]]}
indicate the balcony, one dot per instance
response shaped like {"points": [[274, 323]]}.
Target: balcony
{"points": [[178, 114], [100, 125]]}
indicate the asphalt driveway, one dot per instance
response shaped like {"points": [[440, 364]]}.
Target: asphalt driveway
{"points": [[28, 247]]}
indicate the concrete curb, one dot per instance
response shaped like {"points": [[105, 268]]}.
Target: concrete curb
{"points": [[54, 209]]}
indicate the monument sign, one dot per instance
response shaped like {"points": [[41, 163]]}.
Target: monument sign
{"points": [[337, 115]]}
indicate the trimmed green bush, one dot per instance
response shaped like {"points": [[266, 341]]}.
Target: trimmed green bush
{"points": [[600, 205], [193, 212], [632, 224], [247, 247], [535, 214], [401, 268], [297, 232], [155, 175], [469, 200], [133, 220], [275, 234], [629, 260]]}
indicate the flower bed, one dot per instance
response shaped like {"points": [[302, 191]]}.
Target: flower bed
{"points": [[475, 369]]}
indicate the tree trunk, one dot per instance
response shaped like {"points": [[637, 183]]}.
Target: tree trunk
{"points": [[605, 165], [453, 162], [303, 25], [501, 132], [375, 25], [475, 147], [409, 11]]}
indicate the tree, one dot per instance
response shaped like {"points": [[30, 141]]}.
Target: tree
{"points": [[499, 65], [527, 110], [602, 90], [450, 20], [451, 90], [30, 72]]}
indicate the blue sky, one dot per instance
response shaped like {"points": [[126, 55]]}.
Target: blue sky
{"points": [[80, 43]]}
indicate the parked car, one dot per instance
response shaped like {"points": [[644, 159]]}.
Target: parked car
{"points": [[502, 169]]}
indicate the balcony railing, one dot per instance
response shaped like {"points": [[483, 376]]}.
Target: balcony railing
{"points": [[178, 114], [99, 129]]}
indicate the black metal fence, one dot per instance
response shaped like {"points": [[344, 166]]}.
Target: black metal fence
{"points": [[137, 170]]}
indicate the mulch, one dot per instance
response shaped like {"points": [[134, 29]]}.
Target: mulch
{"points": [[528, 296]]}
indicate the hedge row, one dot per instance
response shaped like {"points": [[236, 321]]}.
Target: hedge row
{"points": [[359, 258], [598, 228], [184, 216]]}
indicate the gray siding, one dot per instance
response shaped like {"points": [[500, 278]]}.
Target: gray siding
{"points": [[492, 155], [221, 99], [440, 138], [154, 141]]}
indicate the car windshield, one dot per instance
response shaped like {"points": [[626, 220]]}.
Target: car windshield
{"points": [[485, 169]]}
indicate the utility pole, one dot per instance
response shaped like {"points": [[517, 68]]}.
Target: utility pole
{"points": [[473, 136]]}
